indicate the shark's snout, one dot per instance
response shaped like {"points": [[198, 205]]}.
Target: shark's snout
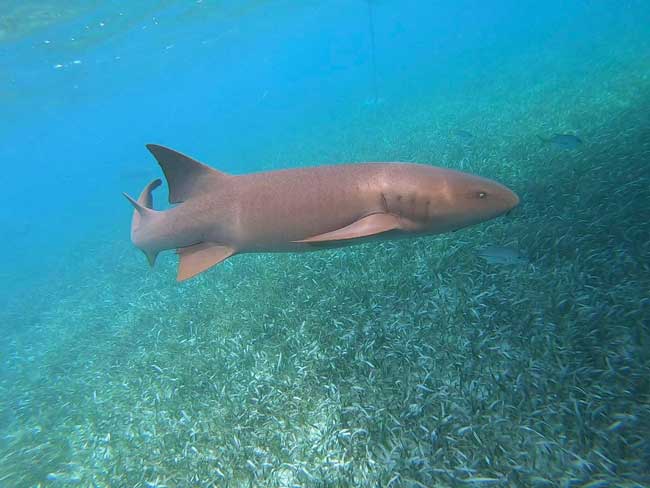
{"points": [[512, 200], [501, 198]]}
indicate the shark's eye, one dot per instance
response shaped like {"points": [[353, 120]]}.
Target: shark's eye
{"points": [[481, 194]]}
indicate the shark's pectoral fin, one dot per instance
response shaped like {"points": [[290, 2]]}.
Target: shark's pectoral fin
{"points": [[369, 226], [199, 257]]}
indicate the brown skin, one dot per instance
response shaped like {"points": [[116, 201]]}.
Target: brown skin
{"points": [[304, 209], [269, 212]]}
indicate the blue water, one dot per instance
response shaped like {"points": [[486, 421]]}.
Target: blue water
{"points": [[249, 86]]}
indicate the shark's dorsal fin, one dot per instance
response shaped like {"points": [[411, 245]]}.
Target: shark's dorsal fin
{"points": [[200, 257], [368, 226], [185, 176]]}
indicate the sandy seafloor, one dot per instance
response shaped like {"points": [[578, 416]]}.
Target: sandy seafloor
{"points": [[410, 363]]}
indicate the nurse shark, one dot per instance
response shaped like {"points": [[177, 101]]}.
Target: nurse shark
{"points": [[219, 215]]}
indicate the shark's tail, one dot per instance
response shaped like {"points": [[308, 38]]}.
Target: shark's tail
{"points": [[151, 232], [142, 214]]}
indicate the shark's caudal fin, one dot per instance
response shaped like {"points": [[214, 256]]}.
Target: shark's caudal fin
{"points": [[142, 213], [144, 204], [185, 176], [186, 179]]}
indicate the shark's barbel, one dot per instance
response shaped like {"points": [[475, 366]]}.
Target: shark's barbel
{"points": [[303, 209]]}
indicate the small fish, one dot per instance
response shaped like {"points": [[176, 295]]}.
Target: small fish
{"points": [[503, 255], [464, 135], [563, 141]]}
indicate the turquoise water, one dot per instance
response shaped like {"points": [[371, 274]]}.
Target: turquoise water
{"points": [[409, 363]]}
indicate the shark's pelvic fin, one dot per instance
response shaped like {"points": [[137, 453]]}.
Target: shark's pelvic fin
{"points": [[199, 257], [365, 227], [185, 176]]}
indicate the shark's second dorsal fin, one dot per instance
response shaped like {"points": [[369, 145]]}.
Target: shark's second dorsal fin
{"points": [[185, 176]]}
